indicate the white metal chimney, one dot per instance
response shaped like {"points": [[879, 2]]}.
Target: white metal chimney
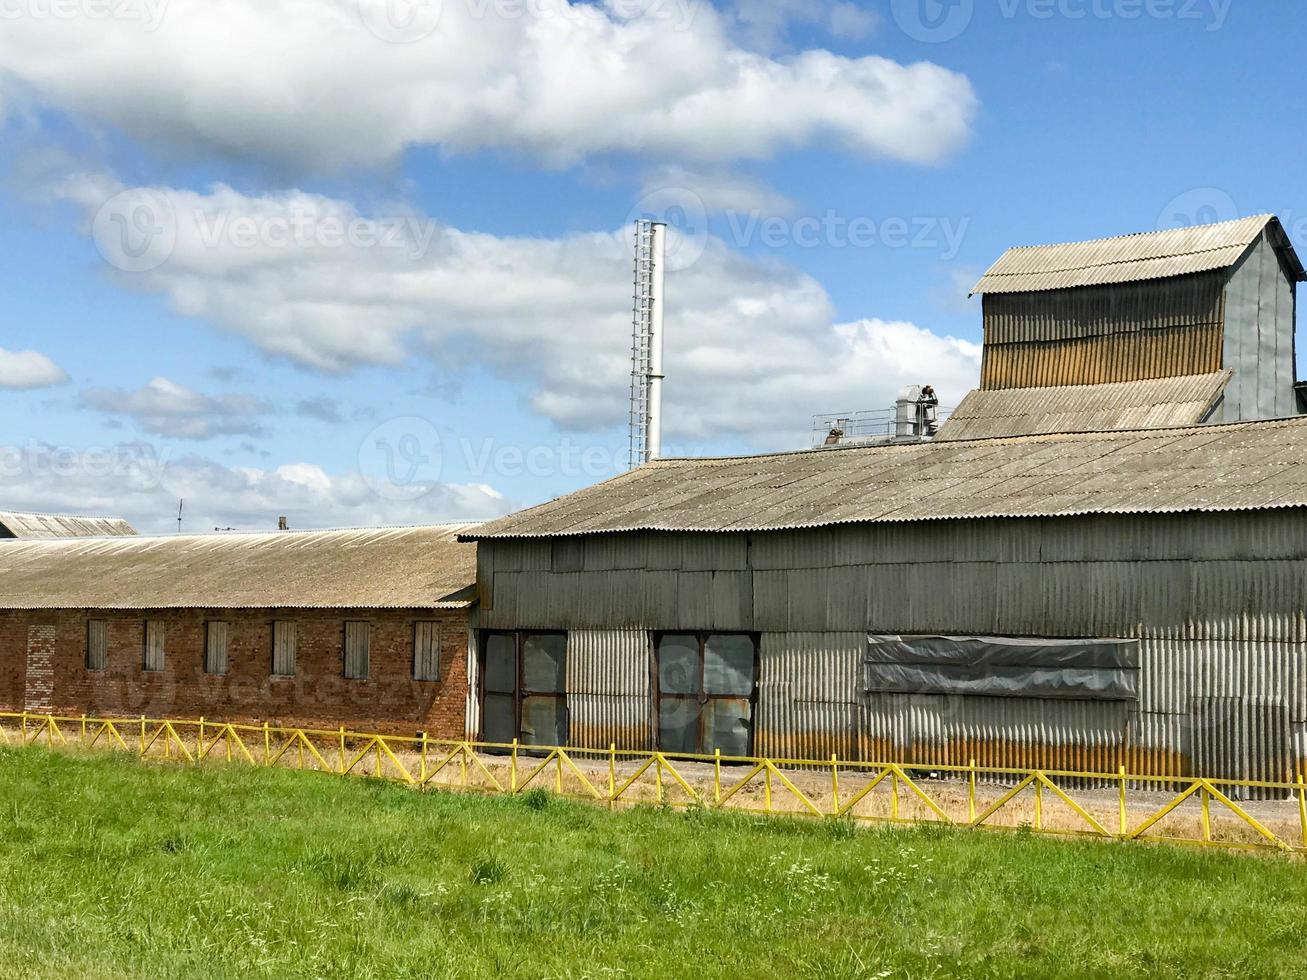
{"points": [[646, 416]]}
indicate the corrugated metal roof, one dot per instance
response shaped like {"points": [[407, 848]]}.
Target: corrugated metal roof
{"points": [[1242, 466], [411, 567], [1131, 258], [1154, 404], [21, 525]]}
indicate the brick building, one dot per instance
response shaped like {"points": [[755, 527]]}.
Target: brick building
{"points": [[363, 628]]}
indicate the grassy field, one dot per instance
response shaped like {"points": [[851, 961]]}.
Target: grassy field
{"points": [[111, 867]]}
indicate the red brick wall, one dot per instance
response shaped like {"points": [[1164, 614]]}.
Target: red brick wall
{"points": [[318, 695]]}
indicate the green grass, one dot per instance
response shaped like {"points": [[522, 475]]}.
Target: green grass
{"points": [[111, 867]]}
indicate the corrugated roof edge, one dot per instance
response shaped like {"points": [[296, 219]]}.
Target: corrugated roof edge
{"points": [[1270, 222], [1040, 437], [218, 535]]}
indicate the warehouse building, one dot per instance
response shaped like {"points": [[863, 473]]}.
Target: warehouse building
{"points": [[1097, 563], [15, 524], [1164, 328], [362, 628]]}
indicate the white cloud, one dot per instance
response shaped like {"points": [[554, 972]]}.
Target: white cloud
{"points": [[28, 369], [765, 24], [306, 84], [163, 407], [142, 484], [718, 190], [752, 346]]}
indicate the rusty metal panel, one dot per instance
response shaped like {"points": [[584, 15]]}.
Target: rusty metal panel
{"points": [[1106, 359], [598, 720], [612, 662]]}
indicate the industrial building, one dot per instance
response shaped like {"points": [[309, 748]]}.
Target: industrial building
{"points": [[1017, 591], [15, 524], [363, 628]]}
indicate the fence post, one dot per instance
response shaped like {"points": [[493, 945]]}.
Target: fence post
{"points": [[267, 745], [24, 727], [971, 792], [341, 746], [612, 775], [512, 775], [894, 796], [1121, 802], [1207, 815], [766, 786], [835, 784], [1039, 805], [83, 729], [1302, 811], [142, 734], [658, 778], [717, 777], [199, 749], [422, 770]]}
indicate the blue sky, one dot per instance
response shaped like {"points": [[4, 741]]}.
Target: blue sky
{"points": [[462, 351]]}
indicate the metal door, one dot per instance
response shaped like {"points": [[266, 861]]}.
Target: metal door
{"points": [[707, 689]]}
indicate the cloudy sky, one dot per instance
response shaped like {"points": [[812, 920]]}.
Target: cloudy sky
{"points": [[358, 261]]}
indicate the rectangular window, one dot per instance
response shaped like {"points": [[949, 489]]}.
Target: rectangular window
{"points": [[215, 647], [426, 651], [97, 644], [707, 688], [524, 688], [358, 642], [155, 631], [285, 638]]}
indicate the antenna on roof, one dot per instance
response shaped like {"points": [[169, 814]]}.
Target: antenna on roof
{"points": [[179, 514], [646, 417]]}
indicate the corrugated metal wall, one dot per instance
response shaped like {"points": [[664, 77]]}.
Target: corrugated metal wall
{"points": [[1218, 600], [1259, 339], [1094, 335]]}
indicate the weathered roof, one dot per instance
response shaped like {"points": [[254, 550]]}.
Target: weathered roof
{"points": [[1240, 466], [20, 525], [1132, 258], [1159, 403], [398, 567]]}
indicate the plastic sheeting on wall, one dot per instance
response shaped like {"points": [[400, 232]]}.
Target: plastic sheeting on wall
{"points": [[1089, 669]]}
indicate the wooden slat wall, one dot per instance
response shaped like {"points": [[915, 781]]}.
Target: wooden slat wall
{"points": [[216, 637], [285, 639], [426, 652], [358, 637]]}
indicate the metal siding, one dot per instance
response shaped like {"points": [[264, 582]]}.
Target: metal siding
{"points": [[608, 689]]}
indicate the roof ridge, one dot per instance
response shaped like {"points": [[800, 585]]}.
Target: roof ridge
{"points": [[1267, 217], [75, 517]]}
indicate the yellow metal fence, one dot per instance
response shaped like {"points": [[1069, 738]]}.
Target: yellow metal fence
{"points": [[1118, 806]]}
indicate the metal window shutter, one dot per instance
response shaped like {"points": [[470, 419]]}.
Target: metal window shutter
{"points": [[357, 640], [215, 648], [284, 638], [155, 630], [97, 644], [426, 652]]}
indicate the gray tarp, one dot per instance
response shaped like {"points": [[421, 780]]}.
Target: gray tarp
{"points": [[1098, 670]]}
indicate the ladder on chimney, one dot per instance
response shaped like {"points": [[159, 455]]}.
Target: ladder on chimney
{"points": [[641, 342]]}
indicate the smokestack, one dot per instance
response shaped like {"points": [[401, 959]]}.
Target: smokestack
{"points": [[283, 524], [658, 255]]}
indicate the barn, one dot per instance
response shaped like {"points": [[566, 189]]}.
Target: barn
{"points": [[1101, 561], [366, 628]]}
